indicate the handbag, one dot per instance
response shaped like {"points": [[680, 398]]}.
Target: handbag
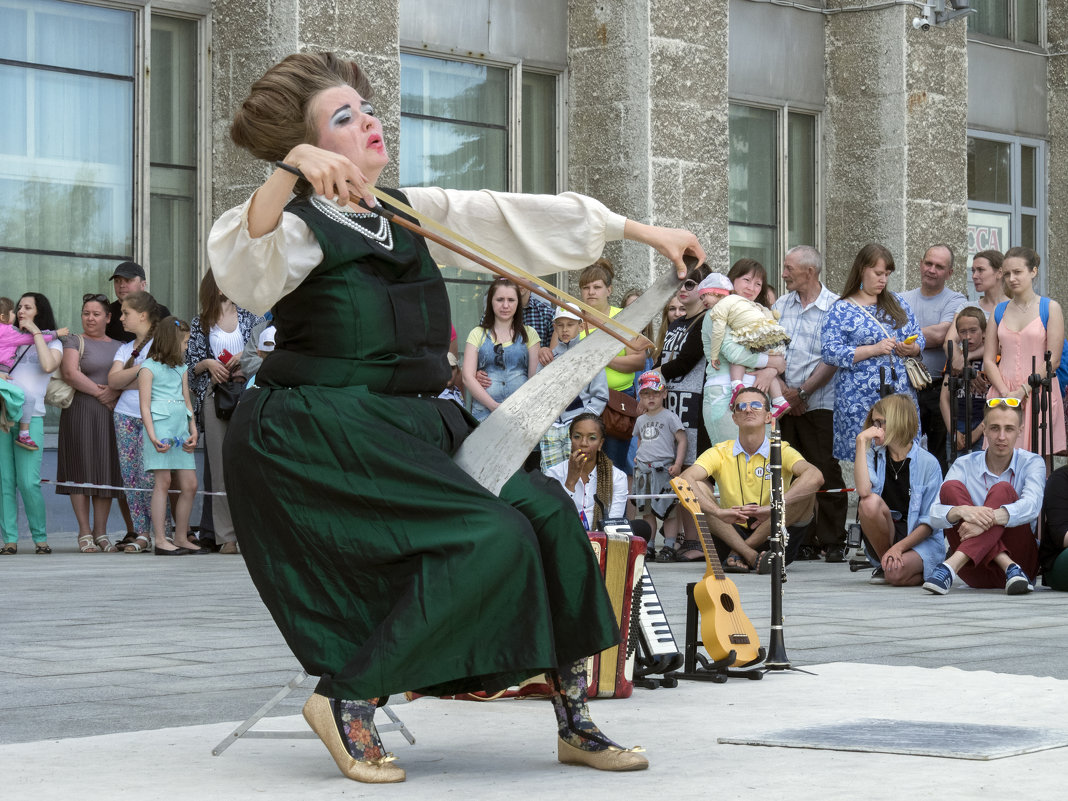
{"points": [[59, 393], [619, 415], [915, 370], [227, 394]]}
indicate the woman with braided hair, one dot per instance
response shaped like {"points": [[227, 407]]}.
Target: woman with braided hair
{"points": [[140, 313], [598, 488]]}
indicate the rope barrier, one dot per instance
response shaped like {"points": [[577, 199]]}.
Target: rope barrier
{"points": [[120, 489]]}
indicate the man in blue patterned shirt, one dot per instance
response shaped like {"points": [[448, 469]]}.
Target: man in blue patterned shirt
{"points": [[809, 425]]}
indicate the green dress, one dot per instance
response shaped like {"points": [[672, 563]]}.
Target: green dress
{"points": [[386, 567]]}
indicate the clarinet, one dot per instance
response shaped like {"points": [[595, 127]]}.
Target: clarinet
{"points": [[777, 659]]}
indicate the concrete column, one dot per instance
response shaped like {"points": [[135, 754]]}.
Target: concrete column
{"points": [[366, 31], [896, 145], [1057, 200], [647, 119]]}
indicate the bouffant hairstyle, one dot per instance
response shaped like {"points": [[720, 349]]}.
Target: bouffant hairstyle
{"points": [[868, 256], [277, 114]]}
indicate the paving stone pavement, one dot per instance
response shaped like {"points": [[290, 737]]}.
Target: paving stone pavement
{"points": [[103, 643]]}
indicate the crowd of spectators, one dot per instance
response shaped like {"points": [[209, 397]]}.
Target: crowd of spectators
{"points": [[841, 390]]}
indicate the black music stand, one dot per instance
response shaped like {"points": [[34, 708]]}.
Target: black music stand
{"points": [[697, 667]]}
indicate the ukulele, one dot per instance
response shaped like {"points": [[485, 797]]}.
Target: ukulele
{"points": [[724, 626]]}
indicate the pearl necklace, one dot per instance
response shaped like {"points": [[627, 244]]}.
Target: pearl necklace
{"points": [[383, 236]]}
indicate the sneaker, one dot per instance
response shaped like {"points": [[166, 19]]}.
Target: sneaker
{"points": [[734, 393], [1016, 581], [667, 554], [878, 576], [940, 581], [25, 441], [779, 409]]}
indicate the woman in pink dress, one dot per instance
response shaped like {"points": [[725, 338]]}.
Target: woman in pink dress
{"points": [[1018, 335]]}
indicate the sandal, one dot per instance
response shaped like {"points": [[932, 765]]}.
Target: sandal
{"points": [[735, 564], [9, 548], [104, 544], [129, 538], [86, 545], [667, 554], [763, 565], [690, 551], [138, 545], [42, 548]]}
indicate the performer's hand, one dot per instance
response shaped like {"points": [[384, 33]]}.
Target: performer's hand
{"points": [[331, 174], [674, 243]]}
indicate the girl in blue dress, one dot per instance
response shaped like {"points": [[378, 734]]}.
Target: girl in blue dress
{"points": [[170, 434], [869, 328]]}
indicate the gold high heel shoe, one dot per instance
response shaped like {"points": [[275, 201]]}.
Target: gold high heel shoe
{"points": [[616, 759], [320, 717]]}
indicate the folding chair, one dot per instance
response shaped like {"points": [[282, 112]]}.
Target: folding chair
{"points": [[395, 724]]}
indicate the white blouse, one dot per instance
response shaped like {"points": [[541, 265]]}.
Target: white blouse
{"points": [[542, 234]]}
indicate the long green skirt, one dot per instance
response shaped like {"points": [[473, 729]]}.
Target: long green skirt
{"points": [[385, 566]]}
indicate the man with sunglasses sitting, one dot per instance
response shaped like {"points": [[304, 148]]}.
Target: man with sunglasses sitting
{"points": [[741, 520], [989, 505]]}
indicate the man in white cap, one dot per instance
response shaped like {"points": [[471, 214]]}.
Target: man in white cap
{"points": [[555, 445]]}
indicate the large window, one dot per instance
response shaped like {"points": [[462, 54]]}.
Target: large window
{"points": [[66, 141], [1006, 194], [73, 150], [1018, 20], [471, 125], [773, 190]]}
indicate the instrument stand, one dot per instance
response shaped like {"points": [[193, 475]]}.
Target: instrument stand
{"points": [[697, 667], [395, 724]]}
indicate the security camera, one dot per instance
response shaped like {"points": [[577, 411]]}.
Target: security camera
{"points": [[921, 23]]}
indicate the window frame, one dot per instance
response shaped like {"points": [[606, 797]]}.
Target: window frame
{"points": [[1040, 46], [783, 111], [1015, 208]]}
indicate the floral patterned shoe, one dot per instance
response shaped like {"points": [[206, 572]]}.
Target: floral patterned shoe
{"points": [[348, 731]]}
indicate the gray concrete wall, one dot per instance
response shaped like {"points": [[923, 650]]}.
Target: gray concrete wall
{"points": [[1057, 198], [895, 142], [366, 32], [647, 126]]}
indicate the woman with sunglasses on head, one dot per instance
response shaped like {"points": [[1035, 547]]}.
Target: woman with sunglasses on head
{"points": [[87, 452], [502, 347], [1022, 331], [897, 483]]}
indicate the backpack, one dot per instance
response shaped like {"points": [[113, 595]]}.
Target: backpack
{"points": [[1043, 314]]}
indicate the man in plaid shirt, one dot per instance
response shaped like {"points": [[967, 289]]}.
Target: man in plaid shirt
{"points": [[809, 425]]}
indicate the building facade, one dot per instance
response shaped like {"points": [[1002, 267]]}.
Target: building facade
{"points": [[760, 125]]}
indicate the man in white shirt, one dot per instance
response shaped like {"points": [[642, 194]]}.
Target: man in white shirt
{"points": [[934, 307], [988, 506], [809, 425]]}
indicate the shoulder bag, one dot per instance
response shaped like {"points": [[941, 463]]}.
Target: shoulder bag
{"points": [[59, 393], [918, 374]]}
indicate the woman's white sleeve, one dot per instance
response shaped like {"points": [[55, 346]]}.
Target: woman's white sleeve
{"points": [[257, 273], [541, 234]]}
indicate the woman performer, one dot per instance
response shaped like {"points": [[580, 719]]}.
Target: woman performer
{"points": [[386, 567]]}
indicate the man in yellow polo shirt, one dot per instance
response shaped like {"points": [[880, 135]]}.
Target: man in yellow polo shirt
{"points": [[741, 521]]}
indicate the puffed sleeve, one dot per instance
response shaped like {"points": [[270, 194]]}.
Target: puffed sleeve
{"points": [[837, 350], [256, 273], [541, 234]]}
